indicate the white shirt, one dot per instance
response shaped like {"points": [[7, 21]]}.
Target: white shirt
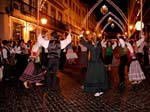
{"points": [[83, 48], [45, 43]]}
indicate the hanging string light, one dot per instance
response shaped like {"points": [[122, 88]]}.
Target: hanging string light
{"points": [[109, 20], [104, 9], [112, 25]]}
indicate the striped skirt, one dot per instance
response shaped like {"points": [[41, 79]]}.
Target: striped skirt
{"points": [[135, 71], [33, 73]]}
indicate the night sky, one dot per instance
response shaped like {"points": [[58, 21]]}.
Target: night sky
{"points": [[122, 4]]}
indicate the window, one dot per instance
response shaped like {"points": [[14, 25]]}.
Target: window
{"points": [[32, 35], [33, 3], [66, 1], [79, 12], [60, 16], [45, 8], [53, 12], [17, 31], [70, 3], [73, 7]]}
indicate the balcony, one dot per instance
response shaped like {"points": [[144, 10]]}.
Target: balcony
{"points": [[30, 11], [74, 29]]}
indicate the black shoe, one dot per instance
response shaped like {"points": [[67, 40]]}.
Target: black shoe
{"points": [[48, 91], [122, 84]]}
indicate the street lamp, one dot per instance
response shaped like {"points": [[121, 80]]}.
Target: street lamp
{"points": [[43, 21], [87, 32], [139, 26], [130, 27]]}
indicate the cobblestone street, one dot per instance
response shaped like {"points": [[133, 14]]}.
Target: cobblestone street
{"points": [[71, 98]]}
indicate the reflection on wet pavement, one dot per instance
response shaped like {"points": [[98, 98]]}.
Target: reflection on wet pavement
{"points": [[71, 98]]}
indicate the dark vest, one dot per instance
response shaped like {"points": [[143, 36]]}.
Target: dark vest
{"points": [[8, 52], [54, 49]]}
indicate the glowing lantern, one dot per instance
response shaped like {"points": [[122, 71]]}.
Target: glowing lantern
{"points": [[87, 32], [43, 21], [109, 20], [138, 25], [104, 9], [112, 25], [99, 35]]}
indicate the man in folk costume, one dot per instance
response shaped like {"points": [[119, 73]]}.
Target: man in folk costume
{"points": [[54, 47], [6, 54], [96, 80], [123, 60]]}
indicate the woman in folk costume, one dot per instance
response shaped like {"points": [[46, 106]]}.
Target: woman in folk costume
{"points": [[33, 72], [109, 47], [83, 56], [71, 55], [96, 80], [135, 75], [54, 47]]}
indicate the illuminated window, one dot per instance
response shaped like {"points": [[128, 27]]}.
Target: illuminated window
{"points": [[53, 12], [17, 31], [59, 16], [45, 8]]}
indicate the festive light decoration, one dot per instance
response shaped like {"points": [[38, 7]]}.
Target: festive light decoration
{"points": [[112, 25], [99, 35], [90, 11], [130, 27], [139, 25], [43, 20], [87, 32], [114, 16], [112, 4], [104, 9], [109, 20], [118, 9], [116, 22]]}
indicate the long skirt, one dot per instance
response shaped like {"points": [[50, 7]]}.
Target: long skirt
{"points": [[135, 71], [33, 73], [84, 58], [72, 55], [96, 79]]}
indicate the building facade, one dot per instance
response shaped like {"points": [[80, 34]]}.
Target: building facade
{"points": [[21, 19]]}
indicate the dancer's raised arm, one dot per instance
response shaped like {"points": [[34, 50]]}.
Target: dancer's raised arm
{"points": [[65, 42]]}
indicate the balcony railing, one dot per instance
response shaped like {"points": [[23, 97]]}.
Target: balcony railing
{"points": [[74, 29], [30, 11]]}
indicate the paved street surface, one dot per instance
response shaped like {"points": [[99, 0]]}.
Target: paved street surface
{"points": [[71, 98]]}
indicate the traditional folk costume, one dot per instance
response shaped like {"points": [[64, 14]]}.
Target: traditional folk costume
{"points": [[136, 74], [71, 55], [83, 56], [6, 55], [123, 61], [108, 52], [54, 47], [96, 80], [33, 73]]}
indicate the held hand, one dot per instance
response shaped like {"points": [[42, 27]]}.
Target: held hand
{"points": [[118, 35], [82, 32], [70, 31]]}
